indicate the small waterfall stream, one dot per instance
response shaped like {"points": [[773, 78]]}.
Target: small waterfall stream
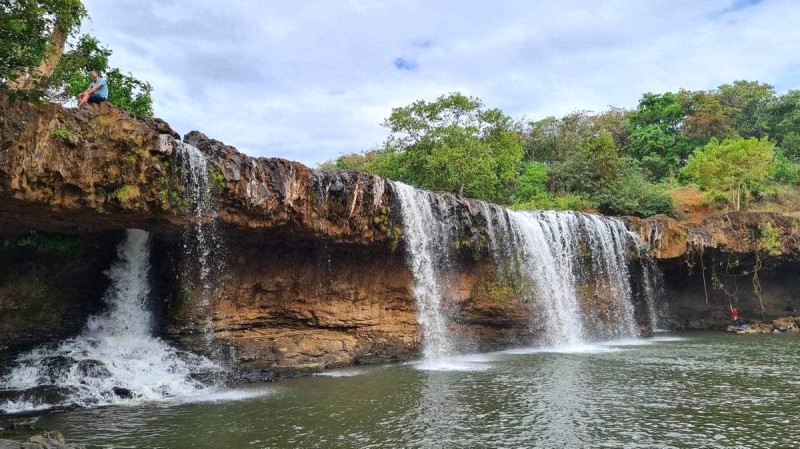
{"points": [[201, 242], [427, 246], [116, 358]]}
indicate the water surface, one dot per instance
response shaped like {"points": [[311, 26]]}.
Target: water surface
{"points": [[695, 390]]}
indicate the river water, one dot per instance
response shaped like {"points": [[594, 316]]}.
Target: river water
{"points": [[690, 390]]}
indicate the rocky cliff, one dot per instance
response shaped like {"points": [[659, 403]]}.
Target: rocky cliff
{"points": [[748, 260], [314, 266], [315, 273]]}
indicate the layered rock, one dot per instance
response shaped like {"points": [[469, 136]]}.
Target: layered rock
{"points": [[315, 273], [748, 260]]}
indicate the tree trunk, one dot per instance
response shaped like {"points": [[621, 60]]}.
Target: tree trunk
{"points": [[29, 80]]}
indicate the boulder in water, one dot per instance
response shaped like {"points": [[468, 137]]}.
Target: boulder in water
{"points": [[45, 394], [123, 393], [55, 367], [93, 368]]}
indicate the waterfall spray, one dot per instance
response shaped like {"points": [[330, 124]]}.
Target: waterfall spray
{"points": [[116, 359]]}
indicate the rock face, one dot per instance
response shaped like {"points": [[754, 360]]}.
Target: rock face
{"points": [[46, 440], [315, 273], [749, 260]]}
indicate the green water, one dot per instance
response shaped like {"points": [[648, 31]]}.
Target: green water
{"points": [[694, 390]]}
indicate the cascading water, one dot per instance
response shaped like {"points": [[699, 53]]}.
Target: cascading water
{"points": [[116, 358], [573, 259], [200, 241], [427, 244], [653, 286], [573, 267]]}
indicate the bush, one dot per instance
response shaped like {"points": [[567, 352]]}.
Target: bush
{"points": [[529, 184], [634, 195], [784, 170], [549, 201]]}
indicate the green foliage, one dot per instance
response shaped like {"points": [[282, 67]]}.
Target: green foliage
{"points": [[62, 133], [549, 201], [26, 28], [216, 179], [72, 76], [633, 195], [769, 241], [127, 194], [732, 165], [784, 170], [529, 184], [595, 166], [453, 144], [608, 160], [748, 101], [352, 161], [66, 244]]}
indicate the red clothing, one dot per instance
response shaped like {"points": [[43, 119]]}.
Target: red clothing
{"points": [[735, 314]]}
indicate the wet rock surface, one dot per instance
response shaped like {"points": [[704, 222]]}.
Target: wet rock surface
{"points": [[46, 440]]}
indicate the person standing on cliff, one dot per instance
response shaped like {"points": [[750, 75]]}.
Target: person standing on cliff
{"points": [[96, 93]]}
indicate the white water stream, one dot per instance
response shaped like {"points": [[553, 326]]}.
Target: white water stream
{"points": [[116, 359], [577, 265]]}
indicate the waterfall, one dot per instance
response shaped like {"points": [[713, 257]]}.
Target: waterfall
{"points": [[427, 240], [653, 286], [116, 358], [201, 241], [573, 268], [579, 269]]}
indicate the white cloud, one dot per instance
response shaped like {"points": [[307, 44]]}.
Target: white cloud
{"points": [[310, 81]]}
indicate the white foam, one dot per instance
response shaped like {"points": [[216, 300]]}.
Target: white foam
{"points": [[464, 362], [116, 350]]}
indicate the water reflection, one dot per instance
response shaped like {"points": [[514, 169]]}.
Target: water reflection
{"points": [[708, 391]]}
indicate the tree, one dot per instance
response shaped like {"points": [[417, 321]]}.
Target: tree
{"points": [[452, 144], [73, 74], [732, 165], [530, 183], [553, 139], [749, 101], [655, 133], [595, 167], [30, 31]]}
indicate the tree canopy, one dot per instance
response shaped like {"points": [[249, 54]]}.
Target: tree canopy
{"points": [[452, 144], [733, 138], [73, 74], [732, 165]]}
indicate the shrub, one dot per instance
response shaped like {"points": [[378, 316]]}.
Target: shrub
{"points": [[633, 195]]}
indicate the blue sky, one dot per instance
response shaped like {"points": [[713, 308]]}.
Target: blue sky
{"points": [[311, 80]]}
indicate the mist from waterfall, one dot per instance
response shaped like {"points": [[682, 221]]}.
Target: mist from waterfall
{"points": [[115, 359]]}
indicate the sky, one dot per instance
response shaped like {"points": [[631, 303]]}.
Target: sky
{"points": [[312, 80]]}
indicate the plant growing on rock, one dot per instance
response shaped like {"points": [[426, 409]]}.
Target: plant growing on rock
{"points": [[127, 194]]}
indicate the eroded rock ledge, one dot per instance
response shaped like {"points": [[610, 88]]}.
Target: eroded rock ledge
{"points": [[315, 274]]}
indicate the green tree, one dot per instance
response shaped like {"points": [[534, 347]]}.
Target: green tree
{"points": [[530, 183], [655, 136], [73, 74], [733, 165], [594, 167], [452, 144], [749, 101], [30, 30]]}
